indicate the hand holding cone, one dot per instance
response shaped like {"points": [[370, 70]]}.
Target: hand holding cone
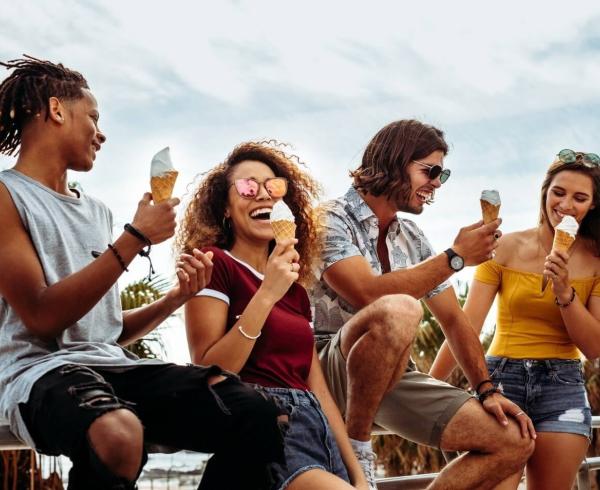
{"points": [[564, 236]]}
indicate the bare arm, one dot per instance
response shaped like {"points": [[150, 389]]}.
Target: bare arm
{"points": [[318, 385], [461, 336], [206, 317], [48, 310], [479, 301], [193, 274], [466, 348], [582, 323], [354, 280]]}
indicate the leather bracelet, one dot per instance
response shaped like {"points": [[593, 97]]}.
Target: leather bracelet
{"points": [[138, 234], [485, 394], [248, 336], [118, 256], [481, 383], [148, 244], [564, 305]]}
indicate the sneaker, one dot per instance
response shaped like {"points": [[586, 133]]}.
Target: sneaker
{"points": [[366, 459]]}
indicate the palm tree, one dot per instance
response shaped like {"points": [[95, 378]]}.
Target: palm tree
{"points": [[140, 293]]}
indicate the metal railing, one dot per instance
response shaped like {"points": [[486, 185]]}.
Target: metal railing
{"points": [[410, 482]]}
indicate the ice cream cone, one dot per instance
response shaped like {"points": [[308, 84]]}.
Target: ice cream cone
{"points": [[162, 186], [562, 240], [489, 211], [283, 229]]}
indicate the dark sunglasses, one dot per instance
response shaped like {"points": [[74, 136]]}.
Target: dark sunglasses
{"points": [[436, 171], [249, 188], [570, 156]]}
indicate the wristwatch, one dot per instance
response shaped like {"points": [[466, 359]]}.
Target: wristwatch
{"points": [[455, 261]]}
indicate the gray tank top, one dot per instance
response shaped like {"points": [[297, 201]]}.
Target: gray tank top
{"points": [[64, 231]]}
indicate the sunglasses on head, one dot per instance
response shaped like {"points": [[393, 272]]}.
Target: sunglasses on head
{"points": [[570, 156], [436, 171], [249, 188]]}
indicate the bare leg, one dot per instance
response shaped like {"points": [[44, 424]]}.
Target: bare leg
{"points": [[318, 480], [496, 452], [117, 438], [555, 461], [376, 344], [511, 483]]}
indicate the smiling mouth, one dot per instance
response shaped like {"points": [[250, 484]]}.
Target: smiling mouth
{"points": [[262, 214], [424, 197]]}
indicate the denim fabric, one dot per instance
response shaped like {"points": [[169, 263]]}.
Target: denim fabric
{"points": [[551, 391], [309, 441]]}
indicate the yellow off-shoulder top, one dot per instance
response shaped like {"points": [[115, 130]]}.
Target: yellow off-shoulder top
{"points": [[529, 324]]}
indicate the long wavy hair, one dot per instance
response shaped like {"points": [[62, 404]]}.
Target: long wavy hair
{"points": [[589, 227], [204, 222], [383, 170]]}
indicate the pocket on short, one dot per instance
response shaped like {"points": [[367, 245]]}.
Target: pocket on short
{"points": [[572, 376]]}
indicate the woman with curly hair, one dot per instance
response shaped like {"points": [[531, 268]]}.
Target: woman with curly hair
{"points": [[254, 316]]}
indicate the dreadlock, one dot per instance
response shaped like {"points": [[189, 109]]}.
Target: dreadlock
{"points": [[26, 92]]}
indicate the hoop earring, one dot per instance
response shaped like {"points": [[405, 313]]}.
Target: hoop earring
{"points": [[226, 225]]}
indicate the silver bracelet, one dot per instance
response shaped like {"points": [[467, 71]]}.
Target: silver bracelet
{"points": [[248, 336]]}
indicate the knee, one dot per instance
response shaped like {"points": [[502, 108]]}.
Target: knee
{"points": [[117, 438], [515, 448], [523, 448], [396, 317]]}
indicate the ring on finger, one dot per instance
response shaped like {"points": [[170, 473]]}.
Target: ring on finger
{"points": [[496, 235], [519, 413]]}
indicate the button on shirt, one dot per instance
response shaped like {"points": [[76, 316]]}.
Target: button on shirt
{"points": [[352, 229]]}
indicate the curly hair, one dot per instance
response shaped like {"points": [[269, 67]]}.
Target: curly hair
{"points": [[383, 170], [204, 222], [589, 227], [25, 93]]}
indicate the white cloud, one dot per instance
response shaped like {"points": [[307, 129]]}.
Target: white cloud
{"points": [[510, 83]]}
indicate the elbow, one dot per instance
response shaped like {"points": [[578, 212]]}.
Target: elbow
{"points": [[42, 327]]}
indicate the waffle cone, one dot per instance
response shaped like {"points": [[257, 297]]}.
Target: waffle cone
{"points": [[162, 186], [562, 240], [283, 229], [489, 211]]}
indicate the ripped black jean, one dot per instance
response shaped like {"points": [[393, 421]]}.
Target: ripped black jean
{"points": [[176, 407]]}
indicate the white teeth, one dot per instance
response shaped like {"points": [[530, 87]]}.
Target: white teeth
{"points": [[256, 212], [425, 196]]}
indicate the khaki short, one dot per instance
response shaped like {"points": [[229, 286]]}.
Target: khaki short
{"points": [[418, 408]]}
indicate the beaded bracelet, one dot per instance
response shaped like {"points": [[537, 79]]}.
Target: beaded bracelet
{"points": [[118, 256], [564, 305]]}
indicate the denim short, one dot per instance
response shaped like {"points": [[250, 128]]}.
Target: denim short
{"points": [[309, 441], [551, 391]]}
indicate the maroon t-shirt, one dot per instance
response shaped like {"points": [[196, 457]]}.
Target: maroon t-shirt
{"points": [[282, 355]]}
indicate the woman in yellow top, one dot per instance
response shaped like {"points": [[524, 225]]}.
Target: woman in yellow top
{"points": [[542, 332]]}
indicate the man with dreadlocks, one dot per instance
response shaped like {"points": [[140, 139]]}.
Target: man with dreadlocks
{"points": [[66, 384]]}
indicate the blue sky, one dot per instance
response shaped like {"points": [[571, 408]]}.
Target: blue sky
{"points": [[510, 83]]}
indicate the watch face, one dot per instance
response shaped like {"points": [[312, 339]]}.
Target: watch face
{"points": [[457, 263]]}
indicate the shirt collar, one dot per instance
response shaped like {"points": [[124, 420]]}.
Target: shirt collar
{"points": [[362, 211]]}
